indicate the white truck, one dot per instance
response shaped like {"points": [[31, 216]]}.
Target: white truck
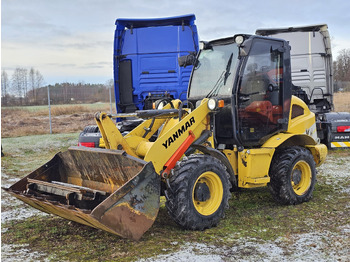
{"points": [[312, 78]]}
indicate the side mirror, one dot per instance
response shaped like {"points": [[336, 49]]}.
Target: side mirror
{"points": [[270, 88], [187, 60], [244, 48]]}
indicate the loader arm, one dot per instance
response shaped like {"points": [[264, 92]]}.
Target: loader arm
{"points": [[172, 142], [176, 138], [134, 142]]}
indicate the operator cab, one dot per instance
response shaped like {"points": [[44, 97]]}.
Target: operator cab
{"points": [[252, 75]]}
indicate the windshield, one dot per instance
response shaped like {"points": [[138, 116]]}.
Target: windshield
{"points": [[214, 74]]}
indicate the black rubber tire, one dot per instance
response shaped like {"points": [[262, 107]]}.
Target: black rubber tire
{"points": [[91, 129], [180, 191], [281, 174]]}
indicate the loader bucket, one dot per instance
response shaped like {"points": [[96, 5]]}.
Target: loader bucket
{"points": [[101, 188]]}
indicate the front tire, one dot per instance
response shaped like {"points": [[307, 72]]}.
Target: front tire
{"points": [[198, 192], [292, 175]]}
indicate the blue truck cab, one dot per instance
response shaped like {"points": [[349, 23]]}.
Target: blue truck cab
{"points": [[146, 55], [146, 65]]}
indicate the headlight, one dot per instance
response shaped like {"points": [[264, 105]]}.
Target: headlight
{"points": [[204, 45], [212, 104], [160, 105], [239, 39]]}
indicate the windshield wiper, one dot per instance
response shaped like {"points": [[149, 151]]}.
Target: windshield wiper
{"points": [[217, 86], [228, 67], [222, 79]]}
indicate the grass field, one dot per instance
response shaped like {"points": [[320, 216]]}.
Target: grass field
{"points": [[44, 110], [342, 102], [32, 120]]}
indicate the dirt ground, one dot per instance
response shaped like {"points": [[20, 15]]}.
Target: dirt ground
{"points": [[12, 125], [341, 102]]}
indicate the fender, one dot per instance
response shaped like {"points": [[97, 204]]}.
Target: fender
{"points": [[219, 155], [298, 139], [319, 151]]}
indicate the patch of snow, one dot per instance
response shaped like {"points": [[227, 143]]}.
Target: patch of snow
{"points": [[317, 246], [189, 252], [19, 253]]}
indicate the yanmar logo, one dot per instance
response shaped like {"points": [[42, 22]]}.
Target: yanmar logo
{"points": [[178, 133]]}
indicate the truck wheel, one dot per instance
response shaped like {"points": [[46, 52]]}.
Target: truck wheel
{"points": [[91, 129], [198, 192], [293, 175]]}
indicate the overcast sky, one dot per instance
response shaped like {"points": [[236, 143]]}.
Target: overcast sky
{"points": [[72, 40]]}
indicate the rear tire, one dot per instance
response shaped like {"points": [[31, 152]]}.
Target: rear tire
{"points": [[91, 129], [293, 175], [198, 192]]}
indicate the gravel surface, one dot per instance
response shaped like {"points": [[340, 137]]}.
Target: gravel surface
{"points": [[316, 246]]}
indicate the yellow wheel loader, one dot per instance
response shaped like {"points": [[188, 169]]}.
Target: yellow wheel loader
{"points": [[239, 128]]}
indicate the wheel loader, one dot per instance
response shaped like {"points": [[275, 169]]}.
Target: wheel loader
{"points": [[239, 128]]}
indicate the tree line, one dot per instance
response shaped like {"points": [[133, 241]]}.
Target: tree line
{"points": [[26, 87], [341, 71], [20, 85], [73, 93]]}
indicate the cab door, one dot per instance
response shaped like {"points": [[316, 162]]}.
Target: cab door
{"points": [[261, 98]]}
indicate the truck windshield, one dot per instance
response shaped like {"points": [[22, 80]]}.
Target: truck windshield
{"points": [[214, 73]]}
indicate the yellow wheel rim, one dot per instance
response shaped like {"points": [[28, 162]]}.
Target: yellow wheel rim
{"points": [[213, 182], [301, 177]]}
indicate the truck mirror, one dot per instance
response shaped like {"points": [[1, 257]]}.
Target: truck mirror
{"points": [[187, 60]]}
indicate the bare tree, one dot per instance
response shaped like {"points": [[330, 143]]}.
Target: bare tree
{"points": [[36, 81], [4, 86], [39, 80], [342, 66], [342, 69], [32, 83], [24, 76], [20, 83], [17, 83]]}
